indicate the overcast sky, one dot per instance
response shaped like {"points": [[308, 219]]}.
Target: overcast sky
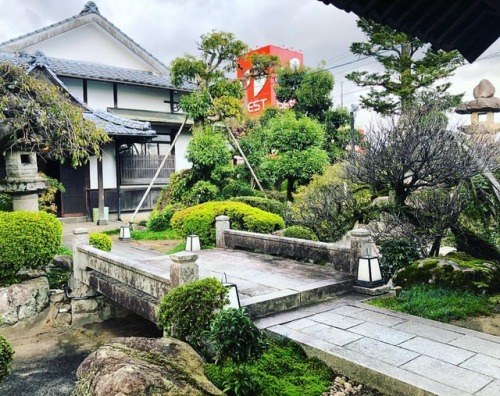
{"points": [[170, 28]]}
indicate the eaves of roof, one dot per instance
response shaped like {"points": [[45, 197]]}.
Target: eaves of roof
{"points": [[465, 25]]}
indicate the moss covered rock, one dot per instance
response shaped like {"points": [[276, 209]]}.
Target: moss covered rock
{"points": [[144, 366], [456, 270]]}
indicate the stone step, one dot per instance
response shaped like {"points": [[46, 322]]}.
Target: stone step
{"points": [[287, 299]]}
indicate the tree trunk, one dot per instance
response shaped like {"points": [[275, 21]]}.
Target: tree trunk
{"points": [[436, 246]]}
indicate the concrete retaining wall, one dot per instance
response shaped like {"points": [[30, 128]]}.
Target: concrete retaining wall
{"points": [[334, 254]]}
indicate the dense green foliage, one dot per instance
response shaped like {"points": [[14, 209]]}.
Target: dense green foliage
{"points": [[395, 255], [330, 205], [37, 116], [300, 232], [187, 311], [237, 188], [100, 241], [148, 235], [234, 336], [265, 204], [6, 355], [455, 270], [160, 220], [437, 303], [294, 150], [200, 219], [47, 198], [216, 98], [27, 240], [411, 68], [283, 370], [5, 202]]}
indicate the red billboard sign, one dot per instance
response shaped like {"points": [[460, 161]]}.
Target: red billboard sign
{"points": [[260, 92]]}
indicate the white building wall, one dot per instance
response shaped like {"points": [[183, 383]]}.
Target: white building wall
{"points": [[99, 94], [181, 161], [74, 85], [90, 43], [143, 98], [109, 168]]}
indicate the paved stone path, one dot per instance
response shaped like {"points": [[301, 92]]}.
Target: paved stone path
{"points": [[398, 353]]}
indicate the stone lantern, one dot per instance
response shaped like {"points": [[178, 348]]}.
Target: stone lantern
{"points": [[22, 181]]}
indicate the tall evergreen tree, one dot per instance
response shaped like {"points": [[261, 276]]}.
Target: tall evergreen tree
{"points": [[411, 69]]}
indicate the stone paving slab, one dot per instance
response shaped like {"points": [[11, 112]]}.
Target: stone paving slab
{"points": [[396, 353]]}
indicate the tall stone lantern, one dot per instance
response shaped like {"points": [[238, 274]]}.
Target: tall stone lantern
{"points": [[22, 181]]}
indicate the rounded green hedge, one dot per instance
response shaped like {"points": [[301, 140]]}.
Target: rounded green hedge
{"points": [[101, 241], [265, 204], [27, 240], [160, 220], [300, 232], [6, 354], [200, 219]]}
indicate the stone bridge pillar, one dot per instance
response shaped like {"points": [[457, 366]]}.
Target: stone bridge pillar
{"points": [[361, 245], [221, 224], [183, 269], [78, 281]]}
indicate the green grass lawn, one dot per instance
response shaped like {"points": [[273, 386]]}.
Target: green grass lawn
{"points": [[147, 235], [437, 303]]}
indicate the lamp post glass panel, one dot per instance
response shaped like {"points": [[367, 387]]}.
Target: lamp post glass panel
{"points": [[369, 274]]}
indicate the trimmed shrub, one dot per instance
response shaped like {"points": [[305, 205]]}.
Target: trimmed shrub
{"points": [[237, 188], [234, 336], [300, 233], [100, 241], [6, 354], [200, 219], [265, 204], [202, 191], [186, 311], [395, 255], [27, 240], [160, 220]]}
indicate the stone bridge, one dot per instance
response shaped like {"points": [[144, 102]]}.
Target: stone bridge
{"points": [[267, 282]]}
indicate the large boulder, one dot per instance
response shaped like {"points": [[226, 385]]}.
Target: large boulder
{"points": [[23, 300], [143, 366], [456, 270]]}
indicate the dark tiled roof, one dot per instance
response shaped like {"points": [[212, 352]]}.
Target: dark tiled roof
{"points": [[118, 126], [93, 71], [467, 26]]}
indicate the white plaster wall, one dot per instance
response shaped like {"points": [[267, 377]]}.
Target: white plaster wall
{"points": [[74, 85], [181, 161], [109, 168], [90, 43], [99, 94], [142, 98]]}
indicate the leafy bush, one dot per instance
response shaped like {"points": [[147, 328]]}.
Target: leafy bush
{"points": [[282, 370], [265, 204], [330, 205], [237, 188], [6, 354], [46, 200], [234, 336], [27, 240], [160, 220], [200, 219], [5, 202], [202, 191], [437, 303], [101, 241], [300, 233], [186, 311], [395, 255]]}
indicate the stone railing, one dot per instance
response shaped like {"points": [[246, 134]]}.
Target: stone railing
{"points": [[341, 257], [130, 283]]}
